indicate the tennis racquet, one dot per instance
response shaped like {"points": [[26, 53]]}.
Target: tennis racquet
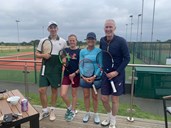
{"points": [[106, 63], [46, 48], [87, 70], [64, 59]]}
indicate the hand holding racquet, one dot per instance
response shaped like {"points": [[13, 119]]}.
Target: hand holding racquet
{"points": [[64, 59], [46, 49], [87, 70], [105, 63]]}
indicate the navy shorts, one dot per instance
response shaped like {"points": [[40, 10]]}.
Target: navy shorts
{"points": [[106, 88], [84, 84]]}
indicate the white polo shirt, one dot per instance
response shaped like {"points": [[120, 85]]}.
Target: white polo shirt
{"points": [[57, 45]]}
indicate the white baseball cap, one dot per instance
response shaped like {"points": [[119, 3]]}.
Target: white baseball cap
{"points": [[52, 23]]}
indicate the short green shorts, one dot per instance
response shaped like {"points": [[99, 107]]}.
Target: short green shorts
{"points": [[53, 80], [53, 73]]}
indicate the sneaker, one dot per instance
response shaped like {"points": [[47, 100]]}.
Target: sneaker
{"points": [[105, 123], [67, 113], [70, 116], [52, 115], [96, 118], [112, 124], [76, 111], [86, 117], [43, 115]]}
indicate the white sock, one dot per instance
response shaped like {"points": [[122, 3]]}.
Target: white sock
{"points": [[109, 115], [52, 108], [95, 113], [73, 111], [45, 110], [70, 107], [113, 119]]}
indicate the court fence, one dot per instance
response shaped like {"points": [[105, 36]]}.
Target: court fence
{"points": [[151, 52]]}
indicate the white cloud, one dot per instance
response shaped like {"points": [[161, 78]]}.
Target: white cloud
{"points": [[80, 17]]}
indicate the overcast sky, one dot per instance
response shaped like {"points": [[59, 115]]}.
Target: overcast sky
{"points": [[80, 17]]}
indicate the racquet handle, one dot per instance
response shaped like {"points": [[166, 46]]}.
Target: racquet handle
{"points": [[94, 88], [43, 70], [113, 86]]}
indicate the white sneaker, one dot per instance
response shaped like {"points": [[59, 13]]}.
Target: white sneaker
{"points": [[43, 115], [86, 117], [105, 123], [112, 124], [52, 115], [96, 118]]}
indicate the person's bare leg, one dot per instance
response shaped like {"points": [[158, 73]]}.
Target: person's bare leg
{"points": [[64, 92], [95, 101], [43, 96], [54, 96], [74, 98], [106, 104], [87, 99], [115, 105]]}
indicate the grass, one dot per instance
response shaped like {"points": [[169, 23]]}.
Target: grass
{"points": [[14, 51], [16, 76], [122, 109]]}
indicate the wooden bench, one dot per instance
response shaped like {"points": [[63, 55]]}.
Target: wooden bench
{"points": [[31, 115]]}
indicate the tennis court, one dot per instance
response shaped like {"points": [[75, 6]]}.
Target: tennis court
{"points": [[19, 61]]}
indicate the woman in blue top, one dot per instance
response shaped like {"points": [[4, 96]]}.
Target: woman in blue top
{"points": [[86, 83]]}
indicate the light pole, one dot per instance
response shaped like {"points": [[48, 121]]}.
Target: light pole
{"points": [[18, 48], [133, 49], [138, 27], [126, 32], [138, 51], [142, 15], [152, 31]]}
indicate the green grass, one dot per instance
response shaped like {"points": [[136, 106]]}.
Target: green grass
{"points": [[13, 52], [122, 108], [16, 76]]}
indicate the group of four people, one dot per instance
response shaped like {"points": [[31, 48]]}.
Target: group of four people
{"points": [[112, 43]]}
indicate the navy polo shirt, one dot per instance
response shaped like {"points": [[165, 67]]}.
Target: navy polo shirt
{"points": [[118, 48]]}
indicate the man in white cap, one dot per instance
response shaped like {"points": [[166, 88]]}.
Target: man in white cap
{"points": [[52, 76]]}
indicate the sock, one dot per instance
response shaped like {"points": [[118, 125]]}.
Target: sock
{"points": [[73, 111], [52, 108], [113, 119], [70, 107], [45, 110], [95, 113], [109, 115]]}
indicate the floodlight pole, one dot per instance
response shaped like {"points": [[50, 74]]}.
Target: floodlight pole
{"points": [[137, 39], [18, 48], [133, 50], [152, 32], [141, 33]]}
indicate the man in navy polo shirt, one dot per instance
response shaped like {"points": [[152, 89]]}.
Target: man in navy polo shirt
{"points": [[118, 48]]}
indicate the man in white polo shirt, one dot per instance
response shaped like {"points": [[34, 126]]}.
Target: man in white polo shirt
{"points": [[52, 76]]}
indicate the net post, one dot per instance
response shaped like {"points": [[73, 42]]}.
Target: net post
{"points": [[35, 65]]}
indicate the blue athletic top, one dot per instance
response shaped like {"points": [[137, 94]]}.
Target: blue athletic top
{"points": [[91, 55], [74, 61], [119, 50]]}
